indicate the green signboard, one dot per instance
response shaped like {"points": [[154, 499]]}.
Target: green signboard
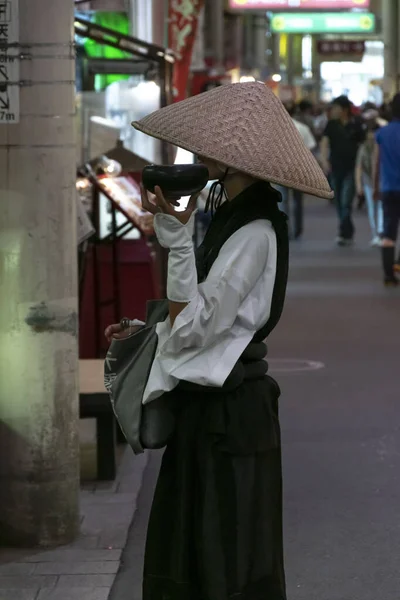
{"points": [[118, 22], [341, 22]]}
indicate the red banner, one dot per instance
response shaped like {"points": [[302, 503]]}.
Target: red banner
{"points": [[183, 21]]}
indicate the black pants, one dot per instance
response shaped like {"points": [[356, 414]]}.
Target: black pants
{"points": [[344, 188], [296, 218], [297, 213], [391, 214], [391, 219]]}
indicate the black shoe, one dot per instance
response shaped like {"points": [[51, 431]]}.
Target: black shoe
{"points": [[391, 282], [343, 242], [388, 260], [361, 203]]}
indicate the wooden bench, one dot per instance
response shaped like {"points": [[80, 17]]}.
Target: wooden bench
{"points": [[94, 403]]}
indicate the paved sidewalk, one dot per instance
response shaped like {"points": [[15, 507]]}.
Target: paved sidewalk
{"points": [[128, 583], [84, 570]]}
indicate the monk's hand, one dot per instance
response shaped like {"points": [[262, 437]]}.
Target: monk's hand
{"points": [[157, 203]]}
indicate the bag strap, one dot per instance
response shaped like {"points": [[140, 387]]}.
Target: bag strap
{"points": [[156, 311]]}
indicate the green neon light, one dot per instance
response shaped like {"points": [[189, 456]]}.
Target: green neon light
{"points": [[344, 22]]}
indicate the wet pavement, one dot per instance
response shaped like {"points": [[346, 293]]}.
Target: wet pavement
{"points": [[336, 357]]}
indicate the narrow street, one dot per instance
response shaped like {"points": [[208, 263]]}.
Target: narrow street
{"points": [[340, 422]]}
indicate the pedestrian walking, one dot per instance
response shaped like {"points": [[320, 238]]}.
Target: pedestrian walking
{"points": [[342, 138], [304, 113], [320, 121], [387, 187], [215, 530], [296, 216], [364, 179]]}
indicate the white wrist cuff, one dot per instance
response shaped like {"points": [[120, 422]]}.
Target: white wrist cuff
{"points": [[182, 275], [171, 233]]}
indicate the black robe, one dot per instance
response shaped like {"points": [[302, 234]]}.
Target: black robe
{"points": [[215, 529]]}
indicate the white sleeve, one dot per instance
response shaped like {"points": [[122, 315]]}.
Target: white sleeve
{"points": [[178, 237], [308, 138], [214, 308]]}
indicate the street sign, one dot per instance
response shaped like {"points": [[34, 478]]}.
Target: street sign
{"points": [[348, 47], [344, 22], [9, 62], [298, 4]]}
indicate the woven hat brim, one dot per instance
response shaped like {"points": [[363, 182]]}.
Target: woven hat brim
{"points": [[293, 167], [328, 195]]}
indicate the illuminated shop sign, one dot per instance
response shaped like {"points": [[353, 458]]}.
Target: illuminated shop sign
{"points": [[344, 22]]}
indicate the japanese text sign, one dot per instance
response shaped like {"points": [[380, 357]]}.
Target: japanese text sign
{"points": [[9, 62]]}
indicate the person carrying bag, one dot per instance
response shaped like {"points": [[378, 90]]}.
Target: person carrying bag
{"points": [[215, 529]]}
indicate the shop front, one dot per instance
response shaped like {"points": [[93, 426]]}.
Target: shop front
{"points": [[352, 75], [121, 265]]}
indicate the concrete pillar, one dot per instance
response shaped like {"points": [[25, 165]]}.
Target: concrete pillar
{"points": [[390, 23], [39, 451]]}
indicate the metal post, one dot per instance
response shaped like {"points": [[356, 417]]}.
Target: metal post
{"points": [[39, 451]]}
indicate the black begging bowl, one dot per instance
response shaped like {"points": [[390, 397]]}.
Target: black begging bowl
{"points": [[175, 181]]}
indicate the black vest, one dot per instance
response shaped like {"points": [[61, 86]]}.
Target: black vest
{"points": [[259, 201]]}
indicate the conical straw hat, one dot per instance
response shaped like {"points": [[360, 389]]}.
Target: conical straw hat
{"points": [[246, 127]]}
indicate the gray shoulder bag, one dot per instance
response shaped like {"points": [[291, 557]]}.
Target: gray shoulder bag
{"points": [[126, 372]]}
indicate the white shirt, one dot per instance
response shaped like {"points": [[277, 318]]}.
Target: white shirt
{"points": [[229, 307], [306, 134]]}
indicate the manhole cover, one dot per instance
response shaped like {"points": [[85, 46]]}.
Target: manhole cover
{"points": [[291, 365]]}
